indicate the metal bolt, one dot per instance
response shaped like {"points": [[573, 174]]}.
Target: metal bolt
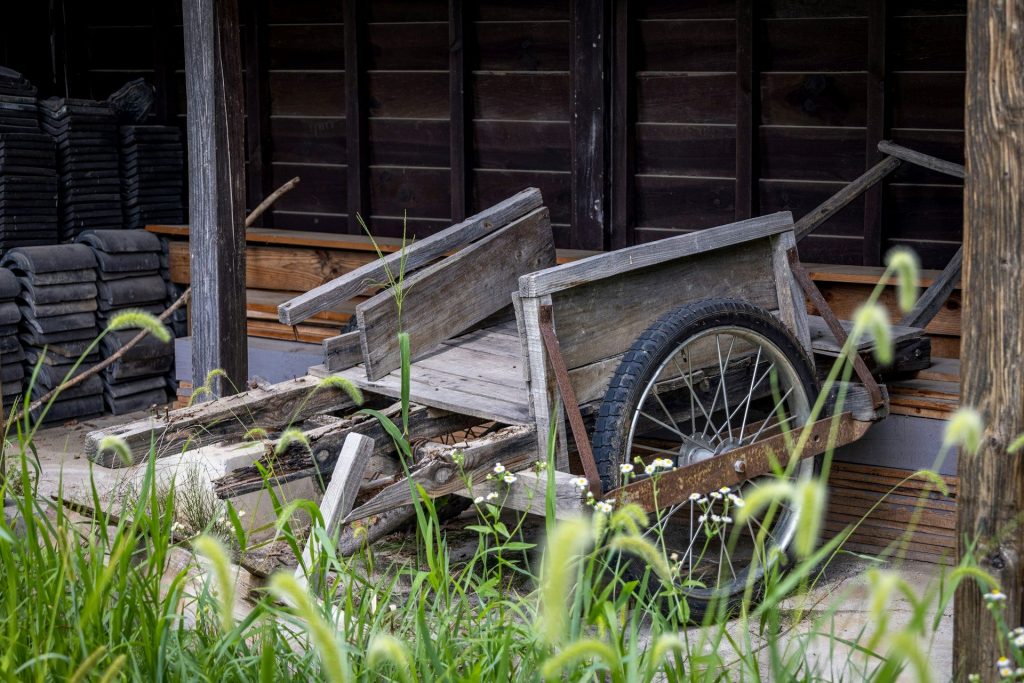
{"points": [[739, 466]]}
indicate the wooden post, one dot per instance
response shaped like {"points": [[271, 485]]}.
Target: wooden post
{"points": [[747, 117], [589, 161], [213, 79], [257, 107], [461, 120], [875, 131], [623, 118], [991, 494], [356, 141]]}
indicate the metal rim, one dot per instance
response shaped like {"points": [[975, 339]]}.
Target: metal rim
{"points": [[711, 540]]}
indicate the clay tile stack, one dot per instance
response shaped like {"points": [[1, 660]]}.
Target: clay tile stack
{"points": [[28, 190], [87, 163], [12, 357], [152, 181], [58, 303], [128, 268]]}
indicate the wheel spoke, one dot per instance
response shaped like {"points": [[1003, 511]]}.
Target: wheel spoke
{"points": [[775, 415], [747, 402], [750, 394], [652, 449], [668, 427], [687, 379]]}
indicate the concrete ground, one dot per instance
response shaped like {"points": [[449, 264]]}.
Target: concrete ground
{"points": [[839, 603]]}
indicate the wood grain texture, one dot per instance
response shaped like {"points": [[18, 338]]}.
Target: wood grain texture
{"points": [[588, 125], [356, 113], [993, 280], [342, 351], [529, 494], [216, 190], [416, 255], [601, 266], [931, 301], [224, 418], [473, 283], [831, 206]]}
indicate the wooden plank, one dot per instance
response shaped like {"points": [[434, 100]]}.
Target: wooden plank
{"points": [[438, 474], [919, 159], [488, 342], [257, 105], [824, 342], [541, 382], [342, 351], [942, 370], [529, 494], [213, 72], [224, 418], [747, 118], [467, 362], [588, 332], [416, 255], [933, 298], [792, 310], [356, 112], [474, 283], [623, 132], [460, 103], [807, 224], [588, 124], [875, 128], [603, 266]]}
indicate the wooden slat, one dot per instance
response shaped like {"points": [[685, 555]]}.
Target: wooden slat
{"points": [[933, 298], [356, 108], [808, 223], [530, 494], [342, 351], [746, 116], [824, 342], [623, 116], [875, 127], [216, 190], [924, 160], [603, 266], [588, 124], [473, 283], [418, 254], [459, 102]]}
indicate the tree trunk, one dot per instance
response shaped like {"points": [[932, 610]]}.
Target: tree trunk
{"points": [[991, 498]]}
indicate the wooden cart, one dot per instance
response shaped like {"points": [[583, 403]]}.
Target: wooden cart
{"points": [[692, 357]]}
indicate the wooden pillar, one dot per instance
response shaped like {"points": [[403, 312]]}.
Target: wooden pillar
{"points": [[461, 118], [213, 78], [164, 78], [747, 115], [356, 139], [991, 494], [875, 131], [623, 137], [588, 112]]}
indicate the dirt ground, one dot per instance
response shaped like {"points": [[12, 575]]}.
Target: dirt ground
{"points": [[64, 466]]}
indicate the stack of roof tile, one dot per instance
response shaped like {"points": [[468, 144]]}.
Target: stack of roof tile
{"points": [[12, 357], [152, 178]]}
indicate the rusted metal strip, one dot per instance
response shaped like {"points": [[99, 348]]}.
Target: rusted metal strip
{"points": [[819, 303], [572, 406], [736, 466]]}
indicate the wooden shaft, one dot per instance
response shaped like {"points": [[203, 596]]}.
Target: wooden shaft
{"points": [[928, 305], [991, 496], [831, 206], [921, 159]]}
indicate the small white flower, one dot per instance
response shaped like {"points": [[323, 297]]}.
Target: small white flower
{"points": [[478, 500], [499, 468], [724, 490], [727, 519], [241, 513], [650, 469], [702, 519], [703, 501], [695, 496], [663, 463], [493, 495], [509, 478], [580, 483], [393, 607], [626, 468], [995, 596], [736, 500], [674, 557], [603, 506], [1019, 641], [716, 519], [716, 495]]}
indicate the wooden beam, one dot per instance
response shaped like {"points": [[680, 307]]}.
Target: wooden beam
{"points": [[920, 159], [343, 351], [589, 161], [933, 298], [461, 120], [623, 117], [257, 107], [875, 130], [213, 74], [831, 206], [991, 495], [529, 494], [746, 201], [418, 254], [356, 136], [164, 78]]}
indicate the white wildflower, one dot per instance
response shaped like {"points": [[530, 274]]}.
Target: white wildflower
{"points": [[716, 519], [499, 468], [478, 500], [650, 469], [493, 495], [626, 468], [727, 519], [716, 495], [702, 519], [996, 596], [509, 478], [695, 496], [724, 490], [580, 483], [736, 500], [603, 506]]}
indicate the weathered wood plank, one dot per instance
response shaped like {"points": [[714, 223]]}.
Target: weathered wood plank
{"points": [[587, 124], [807, 224], [229, 417], [932, 299], [459, 142], [439, 475], [473, 283], [602, 266], [823, 341], [541, 382], [792, 310], [623, 130], [529, 494], [356, 114], [601, 319], [416, 255], [342, 351], [920, 159], [213, 72]]}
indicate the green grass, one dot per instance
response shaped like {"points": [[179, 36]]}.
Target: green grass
{"points": [[85, 600]]}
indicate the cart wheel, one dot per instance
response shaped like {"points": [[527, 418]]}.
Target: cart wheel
{"points": [[702, 380]]}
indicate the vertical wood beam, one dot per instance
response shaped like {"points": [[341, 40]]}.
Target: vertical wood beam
{"points": [[163, 69], [587, 126], [623, 137], [257, 109], [213, 76], [876, 125], [355, 116], [461, 117], [990, 500], [747, 116]]}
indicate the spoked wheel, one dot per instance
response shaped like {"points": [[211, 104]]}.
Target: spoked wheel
{"points": [[701, 381]]}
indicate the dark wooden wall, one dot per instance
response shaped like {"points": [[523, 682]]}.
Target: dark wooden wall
{"points": [[707, 110]]}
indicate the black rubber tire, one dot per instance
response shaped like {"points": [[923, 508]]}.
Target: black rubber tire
{"points": [[653, 347]]}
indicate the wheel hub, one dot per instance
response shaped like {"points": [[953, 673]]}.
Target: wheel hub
{"points": [[703, 450]]}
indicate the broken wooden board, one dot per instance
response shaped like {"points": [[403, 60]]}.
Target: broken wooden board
{"points": [[528, 493], [449, 297], [227, 418]]}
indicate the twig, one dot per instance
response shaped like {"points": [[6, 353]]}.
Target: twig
{"points": [[182, 300]]}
